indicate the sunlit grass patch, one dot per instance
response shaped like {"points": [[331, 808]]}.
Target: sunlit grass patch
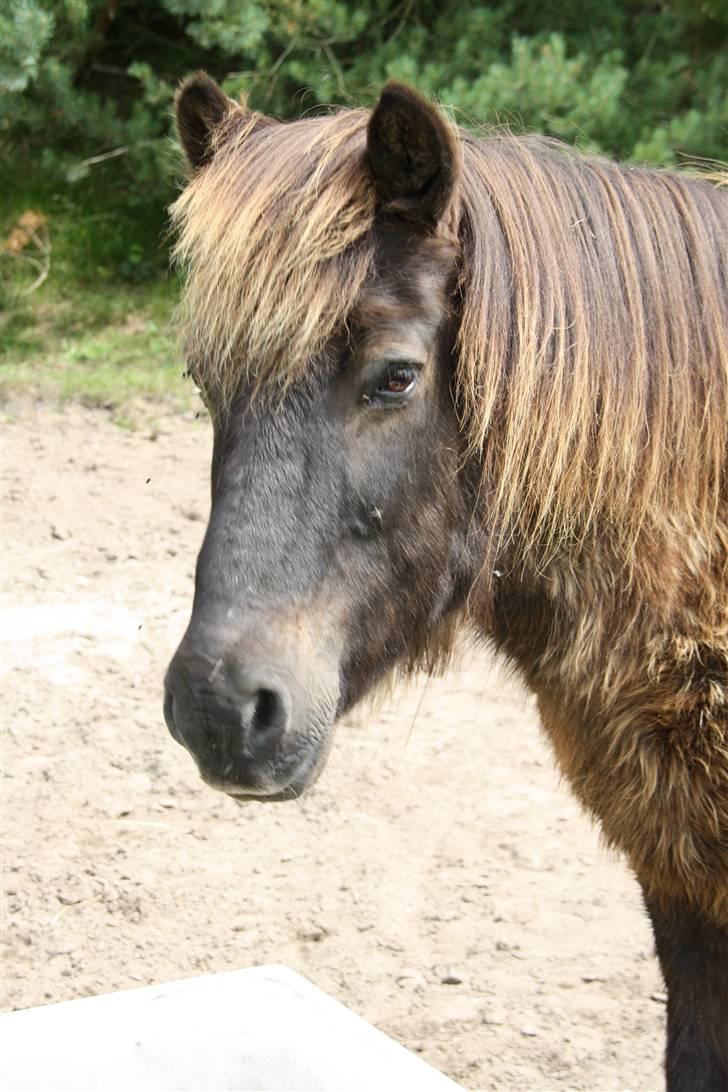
{"points": [[110, 346]]}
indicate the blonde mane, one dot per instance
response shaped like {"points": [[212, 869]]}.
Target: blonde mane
{"points": [[593, 304], [276, 235]]}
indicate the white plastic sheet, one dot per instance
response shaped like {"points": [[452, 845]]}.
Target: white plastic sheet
{"points": [[264, 1028]]}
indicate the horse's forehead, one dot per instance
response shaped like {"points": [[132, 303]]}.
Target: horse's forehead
{"points": [[410, 280]]}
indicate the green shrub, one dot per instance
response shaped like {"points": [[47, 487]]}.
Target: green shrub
{"points": [[86, 89]]}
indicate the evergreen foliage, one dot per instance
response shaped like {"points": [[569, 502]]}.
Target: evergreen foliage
{"points": [[86, 85]]}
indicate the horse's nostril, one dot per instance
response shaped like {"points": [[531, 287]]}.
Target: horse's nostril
{"points": [[234, 727], [269, 712]]}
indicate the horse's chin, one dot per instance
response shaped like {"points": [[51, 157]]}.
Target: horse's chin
{"points": [[278, 787], [243, 798], [290, 791]]}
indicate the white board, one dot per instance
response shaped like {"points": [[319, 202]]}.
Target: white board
{"points": [[259, 1029]]}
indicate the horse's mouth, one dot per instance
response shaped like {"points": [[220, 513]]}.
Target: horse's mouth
{"points": [[291, 793], [274, 789], [262, 794]]}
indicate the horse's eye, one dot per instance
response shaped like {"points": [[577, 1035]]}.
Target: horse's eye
{"points": [[397, 383]]}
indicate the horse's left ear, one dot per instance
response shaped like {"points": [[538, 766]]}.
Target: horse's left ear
{"points": [[414, 155], [200, 107]]}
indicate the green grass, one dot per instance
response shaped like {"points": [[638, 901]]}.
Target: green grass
{"points": [[98, 329], [109, 346]]}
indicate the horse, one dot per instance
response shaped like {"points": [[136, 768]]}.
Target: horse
{"points": [[468, 381]]}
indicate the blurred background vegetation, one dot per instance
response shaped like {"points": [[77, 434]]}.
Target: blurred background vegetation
{"points": [[89, 163]]}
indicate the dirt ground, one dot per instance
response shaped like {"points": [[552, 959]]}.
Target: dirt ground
{"points": [[439, 880]]}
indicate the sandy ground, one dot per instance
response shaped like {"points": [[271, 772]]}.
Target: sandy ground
{"points": [[439, 879]]}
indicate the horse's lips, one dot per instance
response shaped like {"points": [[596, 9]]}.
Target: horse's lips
{"points": [[294, 786], [243, 798], [291, 791]]}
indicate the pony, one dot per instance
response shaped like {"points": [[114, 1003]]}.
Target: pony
{"points": [[468, 382]]}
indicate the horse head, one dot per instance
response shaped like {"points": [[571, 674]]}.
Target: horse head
{"points": [[337, 546]]}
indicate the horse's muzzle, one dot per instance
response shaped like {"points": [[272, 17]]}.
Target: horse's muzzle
{"points": [[244, 723]]}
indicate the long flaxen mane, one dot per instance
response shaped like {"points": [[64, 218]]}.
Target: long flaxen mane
{"points": [[592, 366]]}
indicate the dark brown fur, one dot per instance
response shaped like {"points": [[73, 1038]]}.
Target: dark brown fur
{"points": [[633, 698]]}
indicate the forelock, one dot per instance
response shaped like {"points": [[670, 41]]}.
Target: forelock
{"points": [[275, 236]]}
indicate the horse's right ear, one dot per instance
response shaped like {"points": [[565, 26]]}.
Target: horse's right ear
{"points": [[200, 107], [414, 155]]}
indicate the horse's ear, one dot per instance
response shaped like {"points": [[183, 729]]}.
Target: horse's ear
{"points": [[200, 106], [414, 155]]}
